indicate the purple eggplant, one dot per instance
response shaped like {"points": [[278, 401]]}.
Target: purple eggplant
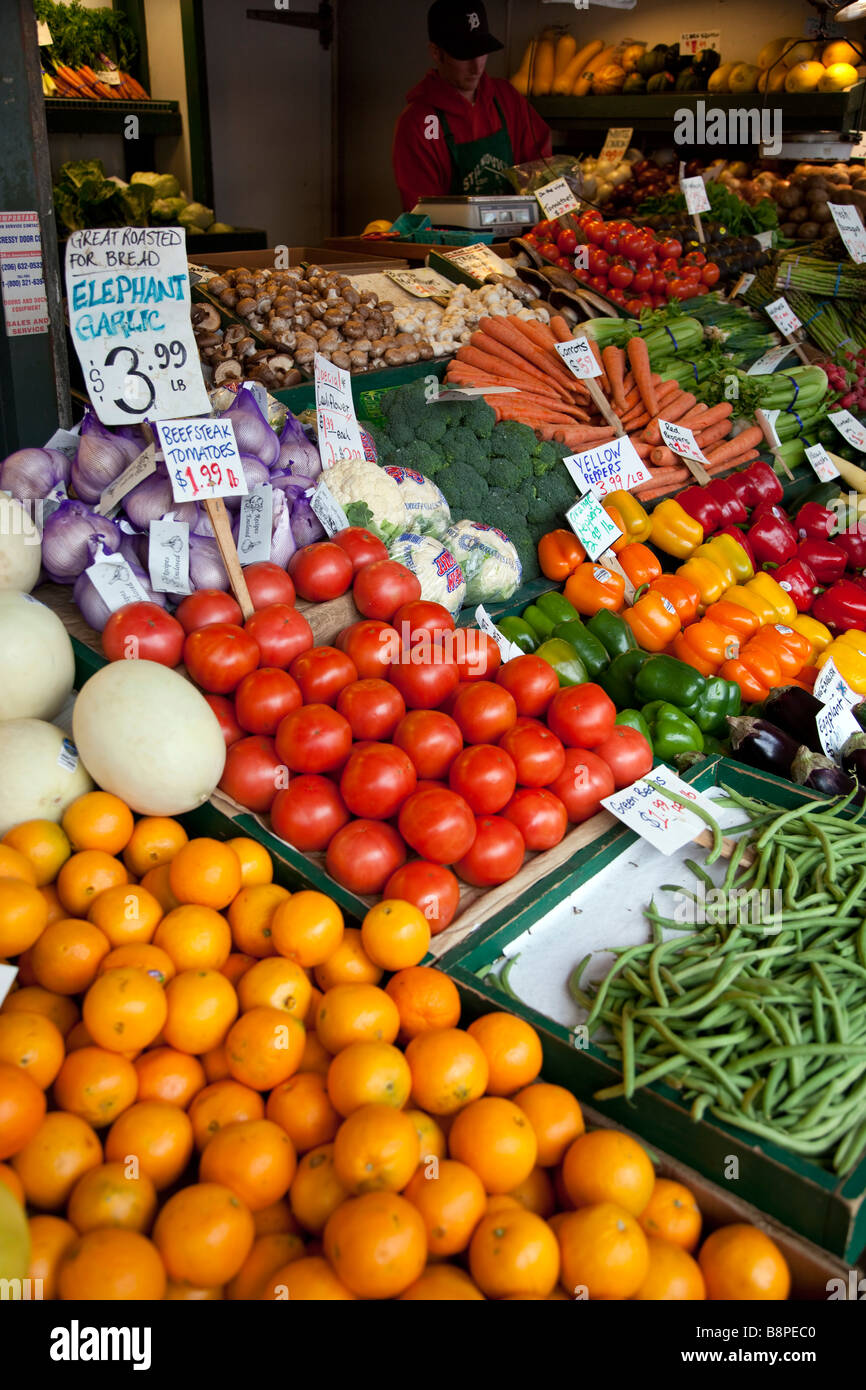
{"points": [[854, 757], [859, 713], [760, 744], [793, 710], [820, 773]]}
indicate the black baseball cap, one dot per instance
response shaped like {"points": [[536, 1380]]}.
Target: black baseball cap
{"points": [[460, 28]]}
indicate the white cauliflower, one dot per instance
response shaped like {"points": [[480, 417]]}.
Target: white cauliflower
{"points": [[488, 559], [441, 577], [427, 510], [368, 496]]}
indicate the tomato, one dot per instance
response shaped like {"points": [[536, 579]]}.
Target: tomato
{"points": [[670, 249], [364, 854], [549, 250], [264, 697], [591, 215], [670, 267], [710, 273], [373, 707], [371, 645], [484, 711], [280, 632], [477, 655], [432, 740], [308, 813], [420, 616], [582, 715], [485, 776], [596, 232], [620, 275], [208, 606], [376, 780], [495, 855], [695, 258], [531, 680], [224, 710], [432, 888], [598, 282], [583, 782], [635, 307], [321, 571], [539, 815], [321, 673], [219, 656], [143, 632], [597, 260], [538, 754], [627, 754], [361, 546], [567, 241], [617, 295], [252, 773], [380, 589], [425, 674], [681, 289], [314, 738], [437, 824], [547, 229], [692, 273], [268, 583], [660, 282], [643, 280]]}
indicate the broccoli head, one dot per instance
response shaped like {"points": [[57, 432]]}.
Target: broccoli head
{"points": [[478, 417], [422, 457], [465, 490], [513, 440], [545, 458], [459, 445]]}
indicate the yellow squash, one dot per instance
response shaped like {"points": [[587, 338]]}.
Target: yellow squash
{"points": [[564, 82], [542, 72], [520, 80], [566, 48], [602, 60]]}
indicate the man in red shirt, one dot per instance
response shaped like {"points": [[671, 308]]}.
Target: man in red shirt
{"points": [[462, 128]]}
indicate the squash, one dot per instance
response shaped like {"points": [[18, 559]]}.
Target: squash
{"points": [[20, 546], [661, 82], [37, 665], [634, 84], [800, 51], [520, 80], [772, 52], [651, 62], [744, 78], [566, 48], [838, 51], [603, 59], [609, 79], [542, 71], [837, 78], [688, 81], [804, 77], [633, 52], [42, 772], [564, 81], [719, 79]]}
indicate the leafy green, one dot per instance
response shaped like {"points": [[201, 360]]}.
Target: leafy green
{"points": [[740, 218], [163, 185], [196, 217], [359, 514], [87, 36]]}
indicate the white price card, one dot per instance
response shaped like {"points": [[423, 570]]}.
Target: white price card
{"points": [[581, 258], [665, 821], [765, 239], [127, 289], [22, 275], [168, 556], [202, 459], [783, 316], [507, 650], [43, 34], [769, 362], [767, 420], [7, 979], [556, 198], [259, 395], [822, 463], [477, 260], [616, 143], [339, 435], [593, 527], [694, 190], [849, 428], [698, 40], [256, 524], [115, 582], [109, 76], [412, 284], [67, 441], [744, 283], [835, 724], [830, 683], [53, 499], [608, 467], [135, 473], [680, 440], [849, 225], [578, 358], [328, 509]]}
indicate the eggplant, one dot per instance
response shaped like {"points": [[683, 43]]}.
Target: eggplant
{"points": [[794, 710], [820, 773], [859, 713], [760, 744], [854, 757]]}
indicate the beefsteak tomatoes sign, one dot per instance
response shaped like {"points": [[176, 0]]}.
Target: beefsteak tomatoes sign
{"points": [[202, 459]]}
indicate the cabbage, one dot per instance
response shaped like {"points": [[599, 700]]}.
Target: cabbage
{"points": [[196, 217], [440, 575], [427, 510], [167, 209], [163, 185], [488, 559], [220, 227]]}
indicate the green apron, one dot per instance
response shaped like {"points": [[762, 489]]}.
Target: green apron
{"points": [[477, 165]]}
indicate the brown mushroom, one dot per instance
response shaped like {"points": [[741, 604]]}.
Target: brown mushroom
{"points": [[246, 306], [216, 284], [227, 370], [229, 298], [341, 358]]}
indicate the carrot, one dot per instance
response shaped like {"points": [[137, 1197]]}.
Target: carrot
{"points": [[695, 415], [560, 329], [71, 78], [715, 413], [97, 82], [603, 380], [628, 383], [740, 444], [663, 457], [635, 421], [643, 450], [507, 370], [713, 434], [674, 410], [503, 375], [494, 347], [541, 334], [514, 410], [614, 364], [518, 342], [640, 365]]}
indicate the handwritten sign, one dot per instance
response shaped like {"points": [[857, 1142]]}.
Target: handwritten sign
{"points": [[339, 436], [680, 440], [616, 143], [849, 428], [478, 261], [769, 362], [665, 822], [830, 684], [822, 463], [412, 284], [849, 225], [328, 509], [744, 283], [578, 358], [507, 650], [556, 198], [22, 276], [608, 467], [202, 459], [168, 556], [138, 470], [765, 239], [591, 524], [115, 582], [835, 724], [694, 190], [699, 40], [783, 316], [256, 524]]}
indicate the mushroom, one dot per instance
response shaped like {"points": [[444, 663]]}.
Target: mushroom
{"points": [[318, 330], [340, 358], [216, 284], [208, 340], [229, 298], [358, 361], [227, 370], [205, 316], [235, 332], [281, 362], [246, 306], [245, 346], [330, 340]]}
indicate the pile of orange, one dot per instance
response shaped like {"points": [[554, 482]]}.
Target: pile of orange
{"points": [[209, 1089]]}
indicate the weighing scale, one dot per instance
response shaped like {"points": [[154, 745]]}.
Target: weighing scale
{"points": [[507, 215]]}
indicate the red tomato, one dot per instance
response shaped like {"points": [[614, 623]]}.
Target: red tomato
{"points": [[583, 782], [252, 773], [308, 813], [425, 674], [268, 583], [432, 888], [376, 780], [380, 589], [620, 275], [432, 740], [361, 546], [477, 655], [264, 697], [438, 825], [670, 266], [430, 784], [373, 707], [321, 571], [597, 260], [364, 854], [627, 754], [643, 280], [710, 273], [219, 656], [314, 738], [485, 776], [484, 712], [547, 230], [670, 249], [680, 288], [582, 715], [694, 258], [321, 673], [538, 754], [280, 632], [371, 644], [549, 250], [208, 606], [538, 814], [495, 855], [143, 632], [420, 616], [224, 710], [532, 681], [596, 232], [567, 241]]}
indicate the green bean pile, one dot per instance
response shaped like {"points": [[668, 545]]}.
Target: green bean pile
{"points": [[766, 1030]]}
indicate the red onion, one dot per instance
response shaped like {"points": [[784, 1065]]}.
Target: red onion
{"points": [[65, 550], [252, 431], [32, 473]]}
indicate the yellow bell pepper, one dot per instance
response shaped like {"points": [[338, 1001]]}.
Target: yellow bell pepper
{"points": [[768, 588], [674, 531], [854, 638], [747, 597], [635, 518], [850, 664], [730, 557], [706, 576], [819, 635]]}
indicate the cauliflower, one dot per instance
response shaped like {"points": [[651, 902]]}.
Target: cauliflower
{"points": [[440, 575], [368, 497], [489, 561], [427, 509], [196, 217]]}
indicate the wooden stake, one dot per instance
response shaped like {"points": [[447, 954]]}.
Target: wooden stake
{"points": [[608, 559], [219, 520], [697, 470], [603, 405], [699, 227], [770, 437]]}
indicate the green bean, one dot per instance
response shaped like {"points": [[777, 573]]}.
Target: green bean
{"points": [[699, 873], [503, 979], [643, 1079], [701, 814]]}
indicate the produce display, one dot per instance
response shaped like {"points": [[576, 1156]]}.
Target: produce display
{"points": [[802, 196], [89, 53], [84, 197], [446, 328]]}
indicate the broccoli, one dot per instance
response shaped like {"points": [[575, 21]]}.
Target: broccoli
{"points": [[422, 457], [499, 509], [459, 445], [466, 491], [513, 440], [545, 458], [478, 417], [432, 424]]}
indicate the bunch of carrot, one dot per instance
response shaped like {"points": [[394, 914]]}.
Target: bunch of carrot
{"points": [[83, 82]]}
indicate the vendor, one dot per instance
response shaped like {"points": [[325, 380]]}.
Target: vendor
{"points": [[462, 128]]}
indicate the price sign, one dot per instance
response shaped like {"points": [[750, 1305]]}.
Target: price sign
{"points": [[849, 224], [665, 821], [698, 41], [769, 418], [830, 684], [745, 282], [478, 261], [22, 274], [578, 358], [328, 509], [168, 556], [608, 467], [67, 441], [110, 76], [257, 519], [849, 428], [43, 34], [507, 650], [783, 316], [138, 470], [694, 191], [7, 979], [556, 198], [835, 725], [822, 463], [681, 440], [129, 315], [115, 582], [769, 362], [616, 143], [591, 524], [765, 239], [202, 459], [413, 285], [339, 436]]}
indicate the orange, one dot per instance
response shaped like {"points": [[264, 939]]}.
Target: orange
{"points": [[275, 1220], [14, 864], [255, 1158], [451, 1200], [512, 1049], [25, 974], [79, 1037], [66, 957], [50, 1238], [154, 842], [304, 1281], [316, 997], [496, 1139], [127, 914], [277, 984], [269, 1254], [251, 915], [33, 999], [84, 876], [98, 820], [604, 1252], [302, 1108], [141, 956], [216, 1068], [50, 1164], [442, 1283], [607, 1166], [264, 1047], [502, 1201], [308, 928], [55, 906], [555, 1116], [673, 1275], [124, 1009], [672, 1214], [514, 1252], [156, 882], [10, 1179], [376, 1244], [23, 915], [236, 967], [376, 1149], [448, 1070], [536, 1193], [206, 872], [97, 1085], [33, 1043], [426, 999], [168, 1075], [22, 1109], [158, 1135], [740, 1262], [316, 1191], [256, 865], [367, 1072], [356, 1013], [112, 1264], [430, 1136], [108, 1196], [204, 1233], [201, 1007], [314, 1057], [223, 1103], [395, 934], [349, 964], [195, 938], [185, 1293]]}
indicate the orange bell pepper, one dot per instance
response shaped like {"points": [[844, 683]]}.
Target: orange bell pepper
{"points": [[791, 648], [711, 642], [743, 621], [762, 662], [683, 652], [592, 587], [640, 563], [617, 518], [751, 689], [807, 677], [559, 554], [684, 596], [653, 621]]}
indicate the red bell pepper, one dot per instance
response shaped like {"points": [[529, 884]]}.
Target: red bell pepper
{"points": [[764, 484], [743, 487], [772, 537], [826, 559], [841, 607], [742, 539], [701, 506], [731, 506], [814, 523], [799, 582], [854, 546]]}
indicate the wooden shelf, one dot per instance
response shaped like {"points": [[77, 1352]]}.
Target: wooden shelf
{"points": [[74, 116], [836, 112]]}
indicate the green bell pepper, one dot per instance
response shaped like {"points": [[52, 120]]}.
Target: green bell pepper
{"points": [[613, 632], [619, 678], [539, 622], [715, 748], [518, 632], [633, 719], [556, 607], [665, 678], [671, 731], [565, 661], [588, 648], [719, 699]]}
